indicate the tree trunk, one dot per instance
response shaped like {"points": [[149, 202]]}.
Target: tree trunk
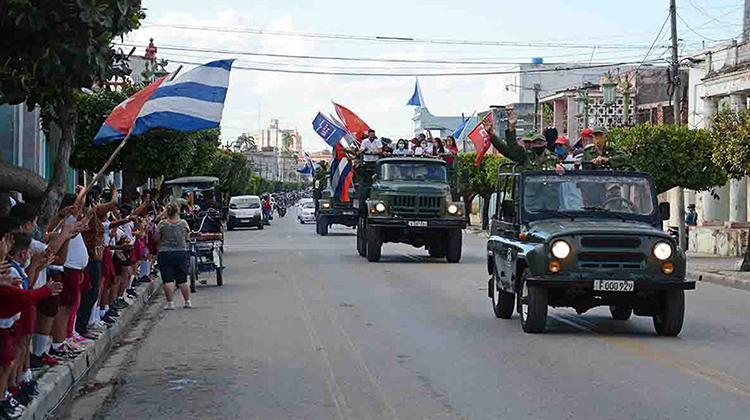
{"points": [[67, 117], [486, 212], [746, 260], [130, 181], [14, 178]]}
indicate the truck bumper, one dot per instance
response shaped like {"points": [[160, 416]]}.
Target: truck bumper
{"points": [[639, 285], [417, 224], [341, 217]]}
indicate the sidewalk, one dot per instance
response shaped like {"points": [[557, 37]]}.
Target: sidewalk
{"points": [[55, 383]]}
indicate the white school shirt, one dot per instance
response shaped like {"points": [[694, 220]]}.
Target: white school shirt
{"points": [[37, 248], [127, 231], [78, 255]]}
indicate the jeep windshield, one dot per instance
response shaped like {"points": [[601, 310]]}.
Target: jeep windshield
{"points": [[412, 171], [584, 194]]}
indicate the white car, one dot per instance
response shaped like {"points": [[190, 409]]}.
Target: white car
{"points": [[245, 210], [306, 212]]}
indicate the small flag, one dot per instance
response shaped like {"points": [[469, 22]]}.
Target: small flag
{"points": [[193, 101], [352, 122], [416, 99], [461, 130], [328, 130], [480, 136], [309, 167]]}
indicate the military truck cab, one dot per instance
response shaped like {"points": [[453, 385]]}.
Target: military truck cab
{"points": [[332, 210], [410, 201], [582, 240]]}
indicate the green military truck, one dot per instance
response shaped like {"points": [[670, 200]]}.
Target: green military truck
{"points": [[333, 211], [581, 240], [409, 201]]}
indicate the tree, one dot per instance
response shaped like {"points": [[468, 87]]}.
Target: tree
{"points": [[287, 142], [58, 48], [479, 180], [731, 134], [245, 143], [234, 172], [157, 153]]}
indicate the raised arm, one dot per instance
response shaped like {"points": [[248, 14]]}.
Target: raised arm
{"points": [[103, 209]]}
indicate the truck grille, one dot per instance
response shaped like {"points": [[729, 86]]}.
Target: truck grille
{"points": [[610, 242], [416, 205], [632, 260]]}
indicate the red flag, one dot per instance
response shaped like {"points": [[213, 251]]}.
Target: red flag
{"points": [[353, 123], [481, 138]]}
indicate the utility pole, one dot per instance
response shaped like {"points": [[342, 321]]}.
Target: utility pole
{"points": [[537, 88], [676, 105], [746, 22]]}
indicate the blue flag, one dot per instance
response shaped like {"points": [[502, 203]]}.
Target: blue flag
{"points": [[328, 130], [416, 98]]}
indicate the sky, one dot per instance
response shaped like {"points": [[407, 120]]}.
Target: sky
{"points": [[574, 31]]}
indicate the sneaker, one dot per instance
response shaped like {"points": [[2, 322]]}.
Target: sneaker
{"points": [[188, 304], [145, 279], [97, 327], [74, 347], [119, 303], [7, 412], [23, 397], [132, 293], [61, 353], [90, 335], [109, 320], [169, 306], [32, 388], [80, 339], [48, 360], [113, 313]]}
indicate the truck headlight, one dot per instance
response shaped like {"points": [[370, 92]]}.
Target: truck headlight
{"points": [[560, 249], [380, 208], [662, 251], [326, 205], [453, 209]]}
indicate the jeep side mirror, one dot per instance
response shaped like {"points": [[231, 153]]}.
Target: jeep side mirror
{"points": [[664, 209], [232, 206]]}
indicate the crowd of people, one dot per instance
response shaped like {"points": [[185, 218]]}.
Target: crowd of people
{"points": [[64, 287], [371, 148]]}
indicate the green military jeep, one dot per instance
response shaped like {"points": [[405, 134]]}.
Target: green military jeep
{"points": [[410, 202], [581, 240]]}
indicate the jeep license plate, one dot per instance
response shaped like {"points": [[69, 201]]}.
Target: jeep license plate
{"points": [[417, 223], [614, 285]]}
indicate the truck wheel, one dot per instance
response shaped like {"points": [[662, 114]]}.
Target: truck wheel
{"points": [[361, 242], [671, 314], [620, 313], [453, 248], [503, 302], [533, 303], [193, 273], [374, 245], [322, 226]]}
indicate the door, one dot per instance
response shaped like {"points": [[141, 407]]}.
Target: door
{"points": [[506, 248]]}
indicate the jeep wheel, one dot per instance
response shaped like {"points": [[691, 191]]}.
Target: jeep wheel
{"points": [[533, 302], [620, 313], [671, 314], [453, 247], [361, 242], [322, 226], [373, 245], [502, 301]]}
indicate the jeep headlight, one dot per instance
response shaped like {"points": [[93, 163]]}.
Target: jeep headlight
{"points": [[380, 208], [560, 249], [662, 251], [452, 209], [326, 205]]}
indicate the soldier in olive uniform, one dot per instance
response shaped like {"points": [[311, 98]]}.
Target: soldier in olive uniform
{"points": [[597, 154], [534, 157]]}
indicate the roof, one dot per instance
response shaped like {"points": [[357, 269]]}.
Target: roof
{"points": [[192, 180]]}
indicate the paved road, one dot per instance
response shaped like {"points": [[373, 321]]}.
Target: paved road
{"points": [[306, 329]]}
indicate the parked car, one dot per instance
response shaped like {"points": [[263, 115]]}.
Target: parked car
{"points": [[245, 210], [306, 212]]}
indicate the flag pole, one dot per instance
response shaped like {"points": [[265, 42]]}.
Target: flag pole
{"points": [[117, 151]]}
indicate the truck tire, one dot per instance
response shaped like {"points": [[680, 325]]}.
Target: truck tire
{"points": [[503, 302], [361, 241], [374, 245], [620, 313], [322, 226], [671, 314], [453, 247], [533, 302]]}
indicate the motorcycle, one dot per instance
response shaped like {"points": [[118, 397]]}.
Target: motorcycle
{"points": [[281, 209]]}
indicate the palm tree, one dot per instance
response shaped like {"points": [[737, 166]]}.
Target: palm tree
{"points": [[245, 143]]}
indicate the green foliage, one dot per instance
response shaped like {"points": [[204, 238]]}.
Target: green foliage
{"points": [[61, 46], [731, 136], [675, 156], [245, 143], [233, 170], [478, 180]]}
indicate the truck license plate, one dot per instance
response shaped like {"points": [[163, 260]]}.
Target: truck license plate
{"points": [[348, 213], [614, 285], [417, 223]]}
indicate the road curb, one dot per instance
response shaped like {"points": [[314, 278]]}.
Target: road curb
{"points": [[723, 278], [55, 383]]}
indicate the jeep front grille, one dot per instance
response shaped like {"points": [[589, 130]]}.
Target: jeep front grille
{"points": [[611, 242], [417, 205], [632, 260]]}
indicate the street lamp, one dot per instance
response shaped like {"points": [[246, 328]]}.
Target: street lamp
{"points": [[609, 88]]}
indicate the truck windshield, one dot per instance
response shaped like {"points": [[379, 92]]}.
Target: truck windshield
{"points": [[412, 171], [246, 204], [588, 194]]}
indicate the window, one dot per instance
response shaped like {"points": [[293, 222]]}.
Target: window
{"points": [[413, 171]]}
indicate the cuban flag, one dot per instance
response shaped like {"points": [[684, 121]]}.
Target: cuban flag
{"points": [[309, 167], [328, 130], [341, 174], [191, 102]]}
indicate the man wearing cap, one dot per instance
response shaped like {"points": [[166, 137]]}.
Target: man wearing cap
{"points": [[691, 218], [597, 153], [562, 150], [533, 156]]}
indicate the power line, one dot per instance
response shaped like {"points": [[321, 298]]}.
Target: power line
{"points": [[702, 36], [254, 31], [488, 73]]}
